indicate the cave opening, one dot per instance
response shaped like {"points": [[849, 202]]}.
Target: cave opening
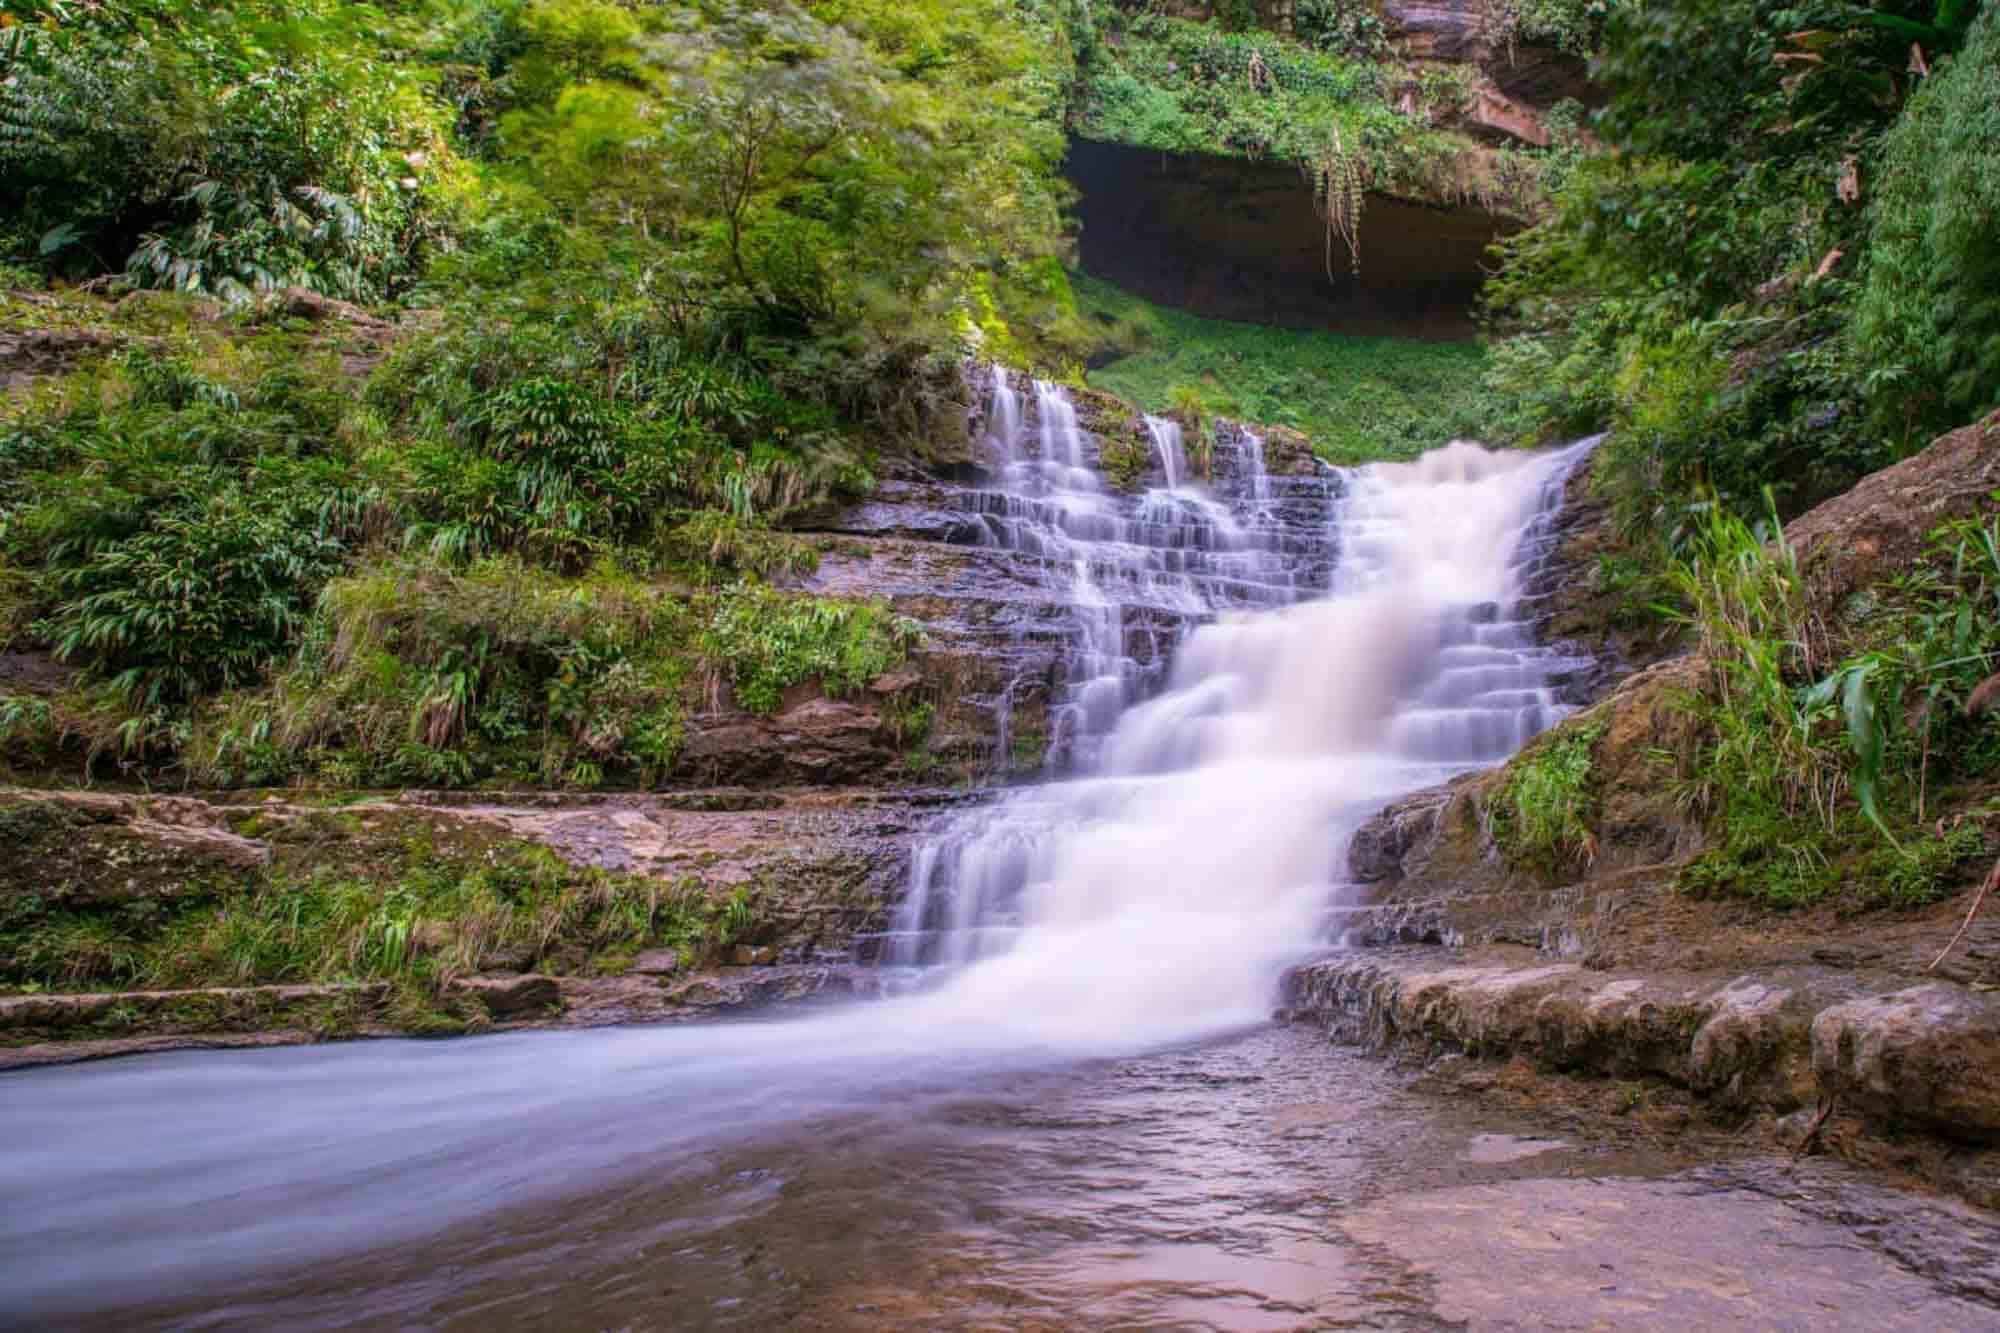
{"points": [[1231, 239]]}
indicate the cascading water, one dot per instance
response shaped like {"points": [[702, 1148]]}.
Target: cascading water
{"points": [[1167, 445], [1202, 847], [1250, 461], [1133, 573]]}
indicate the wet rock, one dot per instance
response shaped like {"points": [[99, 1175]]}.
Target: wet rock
{"points": [[767, 985], [304, 303], [510, 996], [829, 741], [1696, 1251], [1927, 1055], [1381, 849], [32, 354], [896, 682], [116, 1020], [747, 955], [1930, 1053], [94, 848]]}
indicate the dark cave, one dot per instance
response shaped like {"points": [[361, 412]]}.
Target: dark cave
{"points": [[1238, 240]]}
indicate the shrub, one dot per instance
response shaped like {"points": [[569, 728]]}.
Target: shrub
{"points": [[1543, 814], [436, 676], [1929, 311], [200, 599], [766, 642], [227, 150]]}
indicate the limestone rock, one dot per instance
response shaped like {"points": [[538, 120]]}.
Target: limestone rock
{"points": [[1930, 1053], [1382, 848], [510, 996], [1881, 526], [656, 963]]}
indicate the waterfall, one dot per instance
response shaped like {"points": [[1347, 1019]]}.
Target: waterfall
{"points": [[1250, 458], [1202, 844], [1003, 422], [1167, 444]]}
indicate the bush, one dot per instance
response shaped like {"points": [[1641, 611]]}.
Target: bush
{"points": [[1929, 311], [1542, 816], [226, 150], [198, 600], [768, 642], [419, 674]]}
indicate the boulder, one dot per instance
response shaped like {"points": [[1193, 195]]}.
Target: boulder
{"points": [[656, 963], [1381, 848], [1930, 1054]]}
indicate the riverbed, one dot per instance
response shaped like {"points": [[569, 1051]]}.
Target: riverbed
{"points": [[1261, 1179]]}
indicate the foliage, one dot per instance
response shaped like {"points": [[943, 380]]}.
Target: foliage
{"points": [[768, 642], [1543, 815], [1768, 767], [1187, 87], [412, 674], [1929, 308], [1733, 292], [1358, 399], [224, 149], [1342, 27], [1800, 748], [1930, 869], [196, 600], [423, 917]]}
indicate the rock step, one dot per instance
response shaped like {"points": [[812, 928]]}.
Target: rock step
{"points": [[1784, 1041]]}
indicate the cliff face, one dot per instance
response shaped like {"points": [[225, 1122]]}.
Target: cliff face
{"points": [[1197, 160]]}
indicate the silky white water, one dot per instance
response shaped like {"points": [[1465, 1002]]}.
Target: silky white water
{"points": [[1163, 893]]}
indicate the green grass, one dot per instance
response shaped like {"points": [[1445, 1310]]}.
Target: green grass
{"points": [[1357, 399], [416, 922], [1543, 815]]}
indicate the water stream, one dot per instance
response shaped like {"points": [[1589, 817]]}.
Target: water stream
{"points": [[1149, 900]]}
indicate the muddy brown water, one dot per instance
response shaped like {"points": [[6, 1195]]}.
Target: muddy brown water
{"points": [[1261, 1180]]}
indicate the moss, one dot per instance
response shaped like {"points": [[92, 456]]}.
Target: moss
{"points": [[1779, 863], [1028, 748], [405, 898], [1124, 459], [1183, 86], [1926, 870]]}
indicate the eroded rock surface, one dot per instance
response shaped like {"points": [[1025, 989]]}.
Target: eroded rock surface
{"points": [[1882, 525]]}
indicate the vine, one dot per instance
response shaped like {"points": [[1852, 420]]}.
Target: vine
{"points": [[1338, 182]]}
